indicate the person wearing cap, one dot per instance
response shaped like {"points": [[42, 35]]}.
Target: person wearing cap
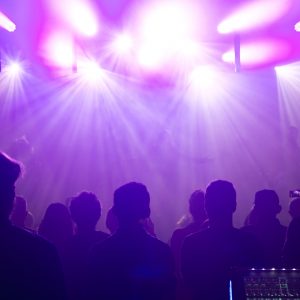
{"points": [[263, 223]]}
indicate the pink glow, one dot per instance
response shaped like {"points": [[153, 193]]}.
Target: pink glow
{"points": [[254, 14], [261, 52], [82, 18], [13, 69], [123, 43], [164, 28], [6, 23], [90, 71], [58, 49], [204, 76], [78, 14], [189, 49]]}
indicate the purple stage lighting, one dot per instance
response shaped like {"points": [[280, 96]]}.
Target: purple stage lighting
{"points": [[13, 69], [79, 15], [254, 14], [123, 43], [281, 70], [82, 18], [204, 77], [289, 72], [90, 72], [6, 23], [259, 52], [58, 49], [164, 28]]}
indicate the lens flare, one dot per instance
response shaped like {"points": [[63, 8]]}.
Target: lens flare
{"points": [[13, 69], [260, 52], [6, 23], [82, 18], [58, 49], [164, 29], [204, 76], [79, 15], [123, 43], [90, 71], [254, 14]]}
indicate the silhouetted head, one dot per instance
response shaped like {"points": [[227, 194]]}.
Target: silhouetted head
{"points": [[294, 208], [85, 210], [56, 225], [131, 203], [266, 204], [220, 201], [112, 221], [9, 172], [196, 205]]}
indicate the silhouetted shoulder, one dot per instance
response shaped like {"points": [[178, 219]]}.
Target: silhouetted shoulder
{"points": [[219, 250], [137, 242], [30, 267], [291, 252], [138, 264], [24, 240], [101, 236], [209, 256], [215, 240]]}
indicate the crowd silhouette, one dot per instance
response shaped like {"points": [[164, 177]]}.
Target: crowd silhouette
{"points": [[68, 259]]}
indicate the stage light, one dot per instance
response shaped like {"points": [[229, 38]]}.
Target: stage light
{"points": [[79, 15], [58, 49], [90, 71], [260, 52], [190, 49], [150, 57], [13, 69], [82, 18], [123, 43], [164, 28], [6, 23], [253, 15], [289, 71], [203, 76], [281, 69], [297, 27], [166, 23]]}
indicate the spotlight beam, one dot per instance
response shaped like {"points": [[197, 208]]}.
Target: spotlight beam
{"points": [[237, 52], [6, 23]]}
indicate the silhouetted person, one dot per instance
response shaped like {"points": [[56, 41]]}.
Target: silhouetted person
{"points": [[294, 208], [85, 211], [131, 264], [291, 251], [20, 215], [209, 255], [56, 226], [29, 266], [112, 223], [265, 226], [198, 213]]}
